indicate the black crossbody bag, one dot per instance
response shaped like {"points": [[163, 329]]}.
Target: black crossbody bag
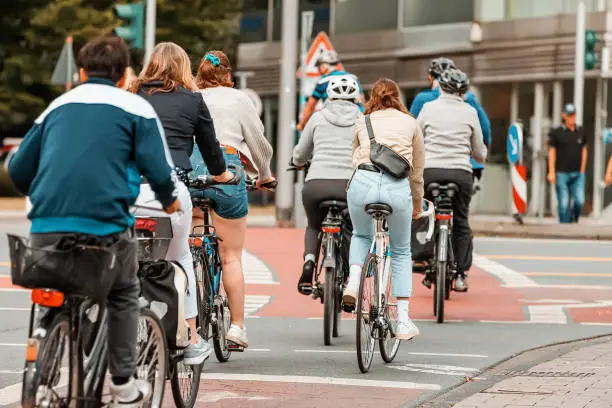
{"points": [[384, 157]]}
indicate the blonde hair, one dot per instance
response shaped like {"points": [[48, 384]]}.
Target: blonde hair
{"points": [[213, 71], [170, 64]]}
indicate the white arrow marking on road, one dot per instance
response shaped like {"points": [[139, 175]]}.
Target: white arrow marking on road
{"points": [[224, 395], [256, 272], [509, 277], [436, 369], [555, 314]]}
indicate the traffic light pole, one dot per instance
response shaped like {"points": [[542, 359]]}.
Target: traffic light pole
{"points": [[151, 10], [579, 62]]}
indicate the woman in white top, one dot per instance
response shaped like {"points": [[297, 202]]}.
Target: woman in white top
{"points": [[241, 135]]}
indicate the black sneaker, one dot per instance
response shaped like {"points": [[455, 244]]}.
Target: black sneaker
{"points": [[305, 283]]}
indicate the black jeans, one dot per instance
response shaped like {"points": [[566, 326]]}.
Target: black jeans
{"points": [[462, 234], [122, 302], [313, 194]]}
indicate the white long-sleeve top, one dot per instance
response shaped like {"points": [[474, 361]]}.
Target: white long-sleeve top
{"points": [[238, 125]]}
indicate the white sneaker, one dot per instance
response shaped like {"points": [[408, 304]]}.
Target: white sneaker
{"points": [[133, 394], [406, 330], [195, 354], [237, 336], [349, 296]]}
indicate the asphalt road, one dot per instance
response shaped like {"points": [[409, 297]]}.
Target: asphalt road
{"points": [[524, 294]]}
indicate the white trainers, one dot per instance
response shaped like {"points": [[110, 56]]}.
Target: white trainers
{"points": [[406, 330], [195, 354], [133, 394], [237, 336], [349, 296]]}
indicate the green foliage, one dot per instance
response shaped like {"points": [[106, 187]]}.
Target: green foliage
{"points": [[32, 33]]}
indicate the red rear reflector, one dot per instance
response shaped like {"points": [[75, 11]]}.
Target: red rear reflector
{"points": [[47, 298], [195, 241], [32, 350], [148, 224], [333, 230], [444, 217]]}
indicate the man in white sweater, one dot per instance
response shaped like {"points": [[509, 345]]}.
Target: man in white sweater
{"points": [[452, 135]]}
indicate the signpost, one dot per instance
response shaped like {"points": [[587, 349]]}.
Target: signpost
{"points": [[518, 172], [65, 71]]}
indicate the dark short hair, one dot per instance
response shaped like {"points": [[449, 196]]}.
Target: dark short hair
{"points": [[105, 57]]}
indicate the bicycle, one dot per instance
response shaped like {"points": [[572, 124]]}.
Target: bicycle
{"points": [[66, 360], [376, 309], [442, 268], [154, 235], [333, 265], [214, 305]]}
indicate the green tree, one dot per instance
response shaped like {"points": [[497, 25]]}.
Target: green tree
{"points": [[200, 25]]}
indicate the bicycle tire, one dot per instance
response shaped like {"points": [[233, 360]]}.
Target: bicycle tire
{"points": [[203, 287], [340, 277], [365, 349], [389, 344], [185, 378], [154, 333], [220, 328], [329, 305], [48, 370]]}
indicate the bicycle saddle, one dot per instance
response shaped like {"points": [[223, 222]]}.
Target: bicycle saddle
{"points": [[372, 208], [202, 202], [435, 189], [341, 205]]}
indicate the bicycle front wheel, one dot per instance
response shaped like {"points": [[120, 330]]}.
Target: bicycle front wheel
{"points": [[152, 356], [388, 343], [367, 308]]}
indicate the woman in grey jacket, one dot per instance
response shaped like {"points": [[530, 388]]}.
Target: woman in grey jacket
{"points": [[326, 141]]}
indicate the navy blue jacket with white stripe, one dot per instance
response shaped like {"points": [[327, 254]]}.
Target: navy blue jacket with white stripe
{"points": [[81, 161]]}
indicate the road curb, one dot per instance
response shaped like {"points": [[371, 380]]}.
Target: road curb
{"points": [[502, 370], [581, 232]]}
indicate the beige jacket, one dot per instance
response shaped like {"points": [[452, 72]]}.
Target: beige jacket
{"points": [[400, 132]]}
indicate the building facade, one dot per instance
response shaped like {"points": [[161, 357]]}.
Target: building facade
{"points": [[521, 66]]}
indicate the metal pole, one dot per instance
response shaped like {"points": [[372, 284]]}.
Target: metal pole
{"points": [[598, 161], [150, 29], [286, 115], [307, 23], [556, 122], [70, 58], [514, 103], [536, 155], [579, 62]]}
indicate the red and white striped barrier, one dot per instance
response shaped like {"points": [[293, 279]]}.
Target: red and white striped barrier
{"points": [[519, 188]]}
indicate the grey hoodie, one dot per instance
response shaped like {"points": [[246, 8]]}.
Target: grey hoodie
{"points": [[328, 139]]}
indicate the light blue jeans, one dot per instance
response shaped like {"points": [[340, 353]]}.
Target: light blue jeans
{"points": [[368, 187], [570, 185]]}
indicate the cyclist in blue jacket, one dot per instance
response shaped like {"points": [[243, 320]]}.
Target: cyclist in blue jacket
{"points": [[436, 67]]}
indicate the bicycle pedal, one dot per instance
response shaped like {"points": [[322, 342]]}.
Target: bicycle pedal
{"points": [[234, 348]]}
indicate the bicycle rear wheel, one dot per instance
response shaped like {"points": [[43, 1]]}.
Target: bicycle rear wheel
{"points": [[329, 301], [367, 308], [185, 379], [56, 378], [152, 356], [221, 326], [388, 343]]}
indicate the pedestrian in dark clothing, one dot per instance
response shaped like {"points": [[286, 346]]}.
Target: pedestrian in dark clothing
{"points": [[567, 160]]}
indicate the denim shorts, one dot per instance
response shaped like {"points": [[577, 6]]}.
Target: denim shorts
{"points": [[230, 201]]}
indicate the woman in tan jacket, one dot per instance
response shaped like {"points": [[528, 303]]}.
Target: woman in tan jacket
{"points": [[394, 127]]}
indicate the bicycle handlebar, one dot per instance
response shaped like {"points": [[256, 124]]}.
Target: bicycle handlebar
{"points": [[205, 180], [430, 213]]}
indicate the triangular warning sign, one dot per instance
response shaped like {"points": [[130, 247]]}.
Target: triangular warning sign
{"points": [[320, 44], [66, 67]]}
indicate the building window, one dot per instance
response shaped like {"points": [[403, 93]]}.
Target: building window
{"points": [[431, 12], [254, 22], [543, 8], [321, 18], [356, 16]]}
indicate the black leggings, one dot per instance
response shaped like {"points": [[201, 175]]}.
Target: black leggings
{"points": [[313, 194], [462, 234]]}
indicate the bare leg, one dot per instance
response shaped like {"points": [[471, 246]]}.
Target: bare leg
{"points": [[232, 234]]}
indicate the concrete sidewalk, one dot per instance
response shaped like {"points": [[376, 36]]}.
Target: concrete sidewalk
{"points": [[578, 379]]}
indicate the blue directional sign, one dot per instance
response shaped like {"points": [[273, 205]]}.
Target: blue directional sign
{"points": [[607, 136], [515, 136]]}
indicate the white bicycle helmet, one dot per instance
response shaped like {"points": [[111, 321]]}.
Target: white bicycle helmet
{"points": [[343, 87]]}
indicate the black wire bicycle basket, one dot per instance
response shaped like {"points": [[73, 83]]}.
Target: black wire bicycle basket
{"points": [[67, 266]]}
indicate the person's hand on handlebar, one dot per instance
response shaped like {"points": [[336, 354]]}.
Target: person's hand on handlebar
{"points": [[224, 177], [174, 207], [415, 213], [262, 183]]}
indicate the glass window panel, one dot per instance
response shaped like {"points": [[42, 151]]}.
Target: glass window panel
{"points": [[430, 12], [321, 22], [355, 16], [254, 22]]}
